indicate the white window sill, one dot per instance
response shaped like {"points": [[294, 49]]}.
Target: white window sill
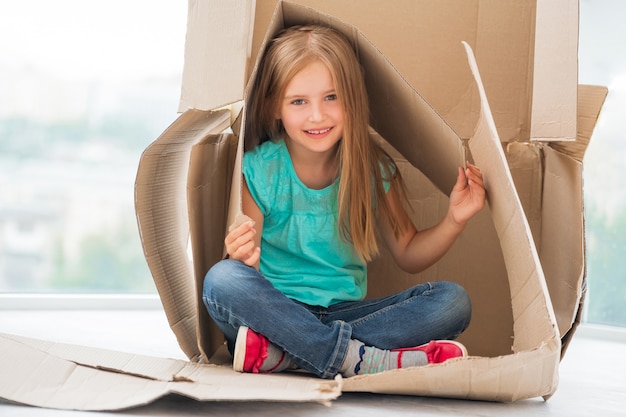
{"points": [[80, 302]]}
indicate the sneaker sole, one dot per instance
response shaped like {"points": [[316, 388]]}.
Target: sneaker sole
{"points": [[239, 355]]}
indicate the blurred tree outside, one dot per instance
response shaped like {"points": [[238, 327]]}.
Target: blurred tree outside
{"points": [[112, 262]]}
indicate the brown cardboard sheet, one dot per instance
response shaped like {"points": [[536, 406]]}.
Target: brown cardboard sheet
{"points": [[161, 208], [56, 375]]}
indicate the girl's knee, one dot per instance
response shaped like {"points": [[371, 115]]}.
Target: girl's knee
{"points": [[459, 301], [219, 278], [230, 278]]}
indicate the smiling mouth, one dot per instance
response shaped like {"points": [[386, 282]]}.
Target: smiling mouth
{"points": [[319, 131]]}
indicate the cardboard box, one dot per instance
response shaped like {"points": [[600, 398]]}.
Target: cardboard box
{"points": [[521, 259], [503, 273]]}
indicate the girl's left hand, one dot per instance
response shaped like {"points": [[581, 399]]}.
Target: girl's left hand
{"points": [[468, 195]]}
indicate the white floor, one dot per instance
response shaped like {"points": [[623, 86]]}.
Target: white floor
{"points": [[592, 375]]}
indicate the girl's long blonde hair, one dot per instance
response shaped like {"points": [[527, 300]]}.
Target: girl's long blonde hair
{"points": [[364, 164]]}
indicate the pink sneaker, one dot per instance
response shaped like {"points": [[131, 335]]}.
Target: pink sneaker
{"points": [[255, 354], [437, 351]]}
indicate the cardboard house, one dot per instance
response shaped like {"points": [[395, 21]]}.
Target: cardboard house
{"points": [[482, 80]]}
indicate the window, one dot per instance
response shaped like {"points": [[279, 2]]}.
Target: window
{"points": [[86, 86], [603, 61]]}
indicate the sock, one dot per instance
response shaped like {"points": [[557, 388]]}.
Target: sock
{"points": [[361, 359], [275, 361]]}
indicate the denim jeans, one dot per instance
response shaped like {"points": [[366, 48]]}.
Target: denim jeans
{"points": [[316, 338]]}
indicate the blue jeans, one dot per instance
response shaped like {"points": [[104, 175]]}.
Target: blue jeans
{"points": [[316, 338]]}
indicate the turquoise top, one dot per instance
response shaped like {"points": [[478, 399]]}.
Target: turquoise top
{"points": [[302, 254]]}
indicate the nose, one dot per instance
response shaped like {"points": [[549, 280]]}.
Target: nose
{"points": [[317, 112]]}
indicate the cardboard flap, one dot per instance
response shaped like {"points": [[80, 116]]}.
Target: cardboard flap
{"points": [[534, 319], [208, 188], [162, 216], [34, 377], [590, 101], [215, 60], [563, 235], [57, 375], [549, 179], [128, 363], [505, 378], [526, 164], [402, 116], [555, 71]]}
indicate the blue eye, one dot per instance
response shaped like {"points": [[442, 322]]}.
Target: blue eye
{"points": [[298, 102], [331, 97]]}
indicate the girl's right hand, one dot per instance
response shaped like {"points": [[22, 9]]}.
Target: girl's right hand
{"points": [[241, 245]]}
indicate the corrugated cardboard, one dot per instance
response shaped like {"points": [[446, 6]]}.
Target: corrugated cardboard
{"points": [[533, 369], [57, 375], [549, 182], [431, 110], [527, 50]]}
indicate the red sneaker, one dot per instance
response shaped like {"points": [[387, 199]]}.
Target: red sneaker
{"points": [[437, 351], [255, 354]]}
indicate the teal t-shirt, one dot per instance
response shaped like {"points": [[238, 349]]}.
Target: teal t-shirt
{"points": [[302, 254]]}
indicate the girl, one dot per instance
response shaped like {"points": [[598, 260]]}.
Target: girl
{"points": [[318, 191]]}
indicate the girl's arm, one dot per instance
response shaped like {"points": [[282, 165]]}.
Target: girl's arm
{"points": [[243, 243], [414, 250]]}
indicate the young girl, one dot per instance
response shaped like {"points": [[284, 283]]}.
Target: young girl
{"points": [[318, 191]]}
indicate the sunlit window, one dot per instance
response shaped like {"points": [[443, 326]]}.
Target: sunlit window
{"points": [[86, 86], [603, 61]]}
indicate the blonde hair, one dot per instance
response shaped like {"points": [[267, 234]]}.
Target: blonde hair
{"points": [[364, 164]]}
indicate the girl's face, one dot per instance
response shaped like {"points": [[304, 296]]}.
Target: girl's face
{"points": [[310, 110]]}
